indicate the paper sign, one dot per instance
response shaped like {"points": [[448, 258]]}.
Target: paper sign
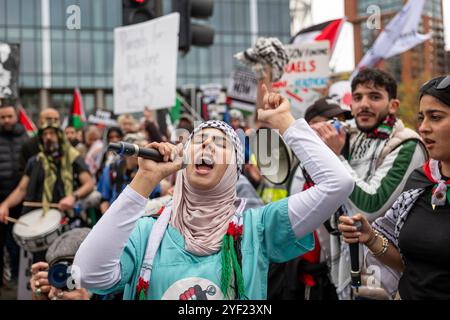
{"points": [[242, 86], [308, 66], [145, 65], [307, 69]]}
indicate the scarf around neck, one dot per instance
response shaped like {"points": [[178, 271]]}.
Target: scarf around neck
{"points": [[441, 191], [384, 130], [202, 216], [67, 157]]}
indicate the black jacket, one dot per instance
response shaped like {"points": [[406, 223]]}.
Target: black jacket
{"points": [[29, 149], [10, 147]]}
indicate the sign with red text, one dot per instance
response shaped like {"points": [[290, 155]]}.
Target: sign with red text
{"points": [[308, 66], [307, 69]]}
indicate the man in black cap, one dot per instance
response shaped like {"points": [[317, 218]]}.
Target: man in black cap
{"points": [[326, 109]]}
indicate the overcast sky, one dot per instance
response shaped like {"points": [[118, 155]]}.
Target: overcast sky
{"points": [[343, 59]]}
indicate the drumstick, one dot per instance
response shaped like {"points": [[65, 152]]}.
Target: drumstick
{"points": [[16, 221], [39, 205]]}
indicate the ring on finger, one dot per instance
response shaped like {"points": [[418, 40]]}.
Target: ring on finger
{"points": [[37, 292], [60, 294]]}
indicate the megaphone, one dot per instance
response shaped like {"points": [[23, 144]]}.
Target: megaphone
{"points": [[274, 158]]}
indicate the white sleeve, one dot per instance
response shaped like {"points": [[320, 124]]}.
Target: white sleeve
{"points": [[333, 184], [98, 257]]}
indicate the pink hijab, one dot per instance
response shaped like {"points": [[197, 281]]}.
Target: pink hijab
{"points": [[201, 216]]}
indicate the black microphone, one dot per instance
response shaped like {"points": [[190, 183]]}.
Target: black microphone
{"points": [[129, 149], [354, 260]]}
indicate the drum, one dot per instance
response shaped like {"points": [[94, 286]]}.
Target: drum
{"points": [[38, 231]]}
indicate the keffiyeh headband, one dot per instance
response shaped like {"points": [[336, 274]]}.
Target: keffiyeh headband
{"points": [[230, 133]]}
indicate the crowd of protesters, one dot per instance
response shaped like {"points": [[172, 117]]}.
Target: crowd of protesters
{"points": [[224, 230]]}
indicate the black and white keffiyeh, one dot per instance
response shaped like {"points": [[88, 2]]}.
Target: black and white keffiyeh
{"points": [[265, 51], [230, 133]]}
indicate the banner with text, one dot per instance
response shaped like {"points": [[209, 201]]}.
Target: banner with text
{"points": [[242, 88], [145, 65], [307, 69]]}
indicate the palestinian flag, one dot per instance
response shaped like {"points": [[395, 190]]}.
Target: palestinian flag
{"points": [[77, 116], [26, 122], [175, 111], [324, 31]]}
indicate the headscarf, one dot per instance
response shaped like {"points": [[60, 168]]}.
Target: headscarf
{"points": [[202, 216]]}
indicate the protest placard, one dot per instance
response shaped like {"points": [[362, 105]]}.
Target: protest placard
{"points": [[242, 89], [308, 69], [145, 65]]}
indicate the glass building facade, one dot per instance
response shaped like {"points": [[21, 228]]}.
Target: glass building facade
{"points": [[55, 59]]}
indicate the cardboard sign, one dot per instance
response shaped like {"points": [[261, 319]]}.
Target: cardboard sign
{"points": [[341, 91], [9, 70], [307, 69], [145, 65], [243, 86], [308, 66], [103, 118]]}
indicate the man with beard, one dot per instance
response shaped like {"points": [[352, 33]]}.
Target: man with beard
{"points": [[382, 155], [31, 147], [12, 136], [57, 174]]}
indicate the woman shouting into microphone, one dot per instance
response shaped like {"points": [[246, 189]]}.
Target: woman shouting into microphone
{"points": [[203, 245]]}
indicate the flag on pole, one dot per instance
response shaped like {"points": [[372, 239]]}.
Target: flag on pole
{"points": [[328, 30], [399, 36], [77, 116], [175, 111], [30, 127]]}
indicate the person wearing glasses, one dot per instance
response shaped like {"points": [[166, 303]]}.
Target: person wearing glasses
{"points": [[204, 245], [412, 237]]}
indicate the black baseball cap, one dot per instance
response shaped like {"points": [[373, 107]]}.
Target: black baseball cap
{"points": [[326, 107]]}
